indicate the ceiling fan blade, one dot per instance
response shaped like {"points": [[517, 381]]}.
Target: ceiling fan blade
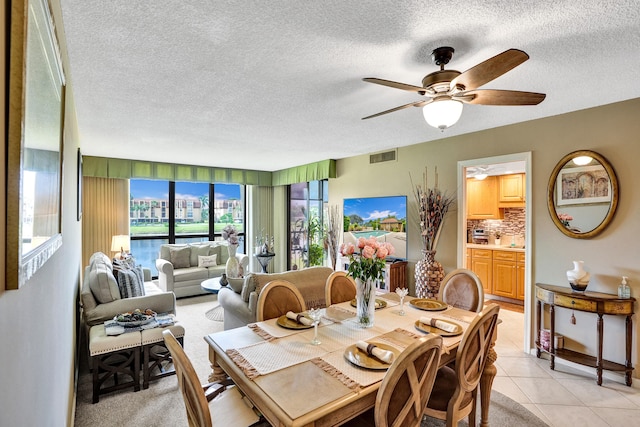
{"points": [[395, 85], [490, 69], [499, 97], [402, 107]]}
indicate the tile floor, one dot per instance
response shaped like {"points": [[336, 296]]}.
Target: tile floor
{"points": [[563, 397]]}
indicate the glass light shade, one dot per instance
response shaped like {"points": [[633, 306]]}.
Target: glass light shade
{"points": [[442, 114], [582, 160], [480, 176], [120, 243]]}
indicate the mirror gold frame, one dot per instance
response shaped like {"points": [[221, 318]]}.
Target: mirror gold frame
{"points": [[35, 130], [552, 195]]}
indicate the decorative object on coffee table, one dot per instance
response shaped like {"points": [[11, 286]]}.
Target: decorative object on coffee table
{"points": [[433, 206], [230, 234], [578, 278]]}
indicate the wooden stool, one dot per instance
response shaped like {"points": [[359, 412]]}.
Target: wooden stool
{"points": [[113, 355], [155, 354]]}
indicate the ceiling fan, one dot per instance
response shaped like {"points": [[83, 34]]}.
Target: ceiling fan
{"points": [[447, 90]]}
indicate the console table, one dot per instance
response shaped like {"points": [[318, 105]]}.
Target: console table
{"points": [[264, 259], [590, 302]]}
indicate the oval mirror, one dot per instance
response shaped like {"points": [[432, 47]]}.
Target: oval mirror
{"points": [[582, 194]]}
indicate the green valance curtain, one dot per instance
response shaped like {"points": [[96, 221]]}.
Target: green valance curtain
{"points": [[103, 167], [310, 172]]}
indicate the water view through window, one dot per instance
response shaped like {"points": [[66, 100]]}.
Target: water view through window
{"points": [[181, 212]]}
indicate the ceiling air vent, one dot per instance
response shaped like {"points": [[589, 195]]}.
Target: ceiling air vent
{"points": [[387, 156]]}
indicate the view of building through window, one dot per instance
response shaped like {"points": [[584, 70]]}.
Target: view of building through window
{"points": [[180, 212]]}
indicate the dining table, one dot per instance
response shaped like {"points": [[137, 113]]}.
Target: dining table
{"points": [[293, 382]]}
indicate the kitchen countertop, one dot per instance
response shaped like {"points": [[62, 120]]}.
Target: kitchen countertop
{"points": [[495, 247]]}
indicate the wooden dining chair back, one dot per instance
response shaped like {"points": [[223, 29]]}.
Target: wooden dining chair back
{"points": [[455, 391], [462, 289], [406, 387], [225, 403], [339, 288], [277, 298]]}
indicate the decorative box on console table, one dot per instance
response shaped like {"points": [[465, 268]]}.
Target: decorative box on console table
{"points": [[590, 302]]}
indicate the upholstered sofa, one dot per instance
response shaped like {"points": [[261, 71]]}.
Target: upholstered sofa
{"points": [[239, 299], [101, 298], [181, 269]]}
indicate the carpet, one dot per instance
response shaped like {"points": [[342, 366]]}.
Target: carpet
{"points": [[502, 412], [216, 314]]}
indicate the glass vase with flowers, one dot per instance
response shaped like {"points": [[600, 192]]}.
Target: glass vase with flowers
{"points": [[366, 267]]}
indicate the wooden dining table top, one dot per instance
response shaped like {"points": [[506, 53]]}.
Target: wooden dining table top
{"points": [[294, 383]]}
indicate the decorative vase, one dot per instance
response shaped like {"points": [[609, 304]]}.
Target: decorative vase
{"points": [[578, 278], [428, 274], [497, 242], [365, 302], [232, 268]]}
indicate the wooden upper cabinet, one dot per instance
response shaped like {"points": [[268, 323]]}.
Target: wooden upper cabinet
{"points": [[511, 190], [482, 198]]}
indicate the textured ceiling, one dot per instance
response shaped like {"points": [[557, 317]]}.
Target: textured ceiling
{"points": [[273, 84]]}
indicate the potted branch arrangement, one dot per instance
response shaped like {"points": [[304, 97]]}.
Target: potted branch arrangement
{"points": [[433, 206]]}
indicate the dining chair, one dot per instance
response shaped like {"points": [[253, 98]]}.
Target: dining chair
{"points": [[339, 288], [462, 289], [212, 404], [277, 298], [406, 387], [455, 391]]}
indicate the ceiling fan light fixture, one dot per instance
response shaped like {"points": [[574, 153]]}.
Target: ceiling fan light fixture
{"points": [[582, 160], [442, 114]]}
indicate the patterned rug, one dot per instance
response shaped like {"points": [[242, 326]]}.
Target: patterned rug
{"points": [[216, 314]]}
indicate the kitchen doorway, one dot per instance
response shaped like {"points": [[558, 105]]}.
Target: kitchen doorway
{"points": [[482, 226]]}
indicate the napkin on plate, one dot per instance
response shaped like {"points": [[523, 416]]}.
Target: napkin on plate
{"points": [[385, 356], [445, 326], [300, 318]]}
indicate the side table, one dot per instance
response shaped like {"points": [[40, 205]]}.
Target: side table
{"points": [[264, 260]]}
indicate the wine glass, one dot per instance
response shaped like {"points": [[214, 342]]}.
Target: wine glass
{"points": [[402, 292], [316, 315]]}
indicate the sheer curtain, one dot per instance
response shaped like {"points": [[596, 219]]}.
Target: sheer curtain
{"points": [[105, 213]]}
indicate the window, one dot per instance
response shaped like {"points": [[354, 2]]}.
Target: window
{"points": [[178, 212], [307, 223]]}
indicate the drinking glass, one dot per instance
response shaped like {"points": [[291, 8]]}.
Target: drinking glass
{"points": [[402, 292], [316, 315]]}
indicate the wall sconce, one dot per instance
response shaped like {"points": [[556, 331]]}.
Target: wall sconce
{"points": [[582, 160], [120, 243], [442, 114]]}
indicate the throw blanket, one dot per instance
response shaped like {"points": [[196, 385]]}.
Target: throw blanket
{"points": [[111, 327]]}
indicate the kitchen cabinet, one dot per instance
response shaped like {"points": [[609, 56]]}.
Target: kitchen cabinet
{"points": [[482, 198], [511, 190], [504, 274], [481, 265], [520, 276]]}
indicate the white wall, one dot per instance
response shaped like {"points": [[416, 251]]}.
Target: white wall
{"points": [[38, 332], [611, 130]]}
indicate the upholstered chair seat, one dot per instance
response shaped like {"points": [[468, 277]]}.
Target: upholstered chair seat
{"points": [[277, 298]]}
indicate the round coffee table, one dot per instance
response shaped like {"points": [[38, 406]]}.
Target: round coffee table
{"points": [[211, 285]]}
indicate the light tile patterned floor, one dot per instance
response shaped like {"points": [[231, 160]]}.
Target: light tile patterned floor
{"points": [[565, 397]]}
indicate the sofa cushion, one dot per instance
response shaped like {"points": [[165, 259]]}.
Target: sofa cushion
{"points": [[101, 258], [103, 284], [310, 282], [165, 250], [196, 252], [180, 257], [219, 250], [131, 282], [207, 261], [190, 273], [216, 271], [248, 286], [236, 283]]}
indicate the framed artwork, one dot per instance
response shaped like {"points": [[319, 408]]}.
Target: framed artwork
{"points": [[79, 194], [583, 185]]}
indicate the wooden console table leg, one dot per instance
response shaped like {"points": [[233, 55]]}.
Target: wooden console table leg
{"points": [[627, 363], [599, 359], [217, 374], [552, 330], [486, 381], [538, 326]]}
